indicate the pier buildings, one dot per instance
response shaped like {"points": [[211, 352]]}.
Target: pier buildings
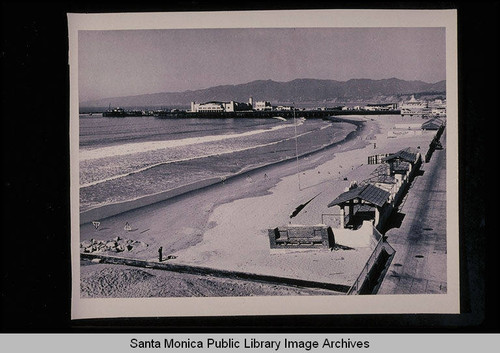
{"points": [[220, 107], [232, 106], [263, 105], [381, 106]]}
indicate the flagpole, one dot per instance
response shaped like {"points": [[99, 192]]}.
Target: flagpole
{"points": [[296, 145]]}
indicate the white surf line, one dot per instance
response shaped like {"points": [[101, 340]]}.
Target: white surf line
{"points": [[132, 148], [187, 159]]}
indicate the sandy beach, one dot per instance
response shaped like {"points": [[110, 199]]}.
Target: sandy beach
{"points": [[224, 226], [100, 280]]}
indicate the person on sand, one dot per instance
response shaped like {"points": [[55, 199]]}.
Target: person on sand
{"points": [[160, 253]]}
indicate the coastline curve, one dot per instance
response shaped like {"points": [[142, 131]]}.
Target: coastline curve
{"points": [[113, 209]]}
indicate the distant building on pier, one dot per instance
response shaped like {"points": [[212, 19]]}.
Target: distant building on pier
{"points": [[381, 106], [284, 108], [219, 107], [263, 105]]}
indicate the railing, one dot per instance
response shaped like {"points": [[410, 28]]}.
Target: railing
{"points": [[382, 245], [377, 158], [433, 144]]}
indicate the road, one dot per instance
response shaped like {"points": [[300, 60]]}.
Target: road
{"points": [[419, 266]]}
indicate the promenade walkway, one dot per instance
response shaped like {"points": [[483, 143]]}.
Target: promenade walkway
{"points": [[419, 265]]}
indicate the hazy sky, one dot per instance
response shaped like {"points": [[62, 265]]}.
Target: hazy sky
{"points": [[121, 63]]}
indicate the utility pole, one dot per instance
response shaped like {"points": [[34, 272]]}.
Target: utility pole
{"points": [[296, 146]]}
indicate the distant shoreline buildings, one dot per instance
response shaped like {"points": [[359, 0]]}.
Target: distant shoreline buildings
{"points": [[411, 108], [423, 109]]}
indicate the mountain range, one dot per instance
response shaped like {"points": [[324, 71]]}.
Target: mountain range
{"points": [[299, 90]]}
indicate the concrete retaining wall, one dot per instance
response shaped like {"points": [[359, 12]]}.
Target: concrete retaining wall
{"points": [[206, 271], [359, 238]]}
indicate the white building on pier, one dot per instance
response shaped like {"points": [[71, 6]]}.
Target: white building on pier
{"points": [[219, 107]]}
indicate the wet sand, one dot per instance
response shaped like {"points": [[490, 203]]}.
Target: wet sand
{"points": [[225, 226]]}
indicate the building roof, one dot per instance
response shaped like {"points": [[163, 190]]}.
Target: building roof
{"points": [[408, 154], [432, 124], [401, 167], [380, 175], [379, 104], [369, 193]]}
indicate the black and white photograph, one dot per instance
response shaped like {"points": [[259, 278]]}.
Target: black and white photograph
{"points": [[264, 163]]}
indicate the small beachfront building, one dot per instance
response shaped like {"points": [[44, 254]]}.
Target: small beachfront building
{"points": [[366, 202], [375, 198], [404, 162]]}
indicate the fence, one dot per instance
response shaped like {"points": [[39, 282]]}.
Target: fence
{"points": [[377, 158], [373, 270], [433, 144]]}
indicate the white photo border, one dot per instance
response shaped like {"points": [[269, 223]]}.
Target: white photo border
{"points": [[449, 303]]}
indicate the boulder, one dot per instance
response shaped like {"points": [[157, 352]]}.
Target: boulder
{"points": [[85, 244], [110, 244]]}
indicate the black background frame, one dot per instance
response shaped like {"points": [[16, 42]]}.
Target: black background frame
{"points": [[35, 294]]}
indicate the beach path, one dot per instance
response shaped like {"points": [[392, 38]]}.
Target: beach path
{"points": [[419, 266]]}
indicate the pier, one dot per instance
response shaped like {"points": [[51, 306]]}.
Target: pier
{"points": [[266, 114]]}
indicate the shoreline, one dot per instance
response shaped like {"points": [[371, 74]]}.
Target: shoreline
{"points": [[113, 209], [198, 205], [225, 226]]}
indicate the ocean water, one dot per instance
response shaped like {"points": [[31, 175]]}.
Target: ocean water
{"points": [[127, 158]]}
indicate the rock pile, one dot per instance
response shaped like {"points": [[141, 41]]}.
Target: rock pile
{"points": [[117, 244]]}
